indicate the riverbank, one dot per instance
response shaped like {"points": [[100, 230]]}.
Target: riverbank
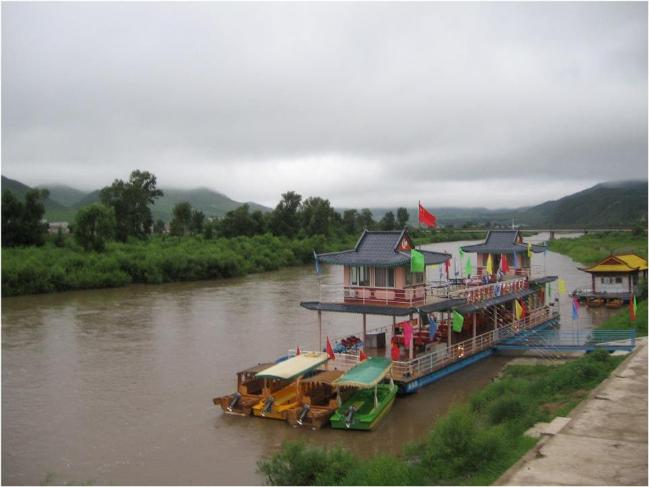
{"points": [[604, 442], [161, 259], [591, 248], [473, 444]]}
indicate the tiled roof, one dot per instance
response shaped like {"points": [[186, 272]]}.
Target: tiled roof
{"points": [[502, 242], [620, 263], [380, 249]]}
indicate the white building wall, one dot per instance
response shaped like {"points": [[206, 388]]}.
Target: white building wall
{"points": [[610, 284]]}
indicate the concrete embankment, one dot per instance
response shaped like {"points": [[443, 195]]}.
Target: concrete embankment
{"points": [[602, 442]]}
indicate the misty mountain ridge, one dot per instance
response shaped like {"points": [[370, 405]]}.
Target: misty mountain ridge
{"points": [[607, 204]]}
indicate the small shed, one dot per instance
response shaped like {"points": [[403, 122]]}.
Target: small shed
{"points": [[618, 274]]}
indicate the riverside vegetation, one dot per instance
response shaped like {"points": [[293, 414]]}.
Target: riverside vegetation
{"points": [[116, 242], [473, 444]]}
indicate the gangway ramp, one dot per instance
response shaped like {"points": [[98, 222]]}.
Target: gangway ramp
{"points": [[570, 340]]}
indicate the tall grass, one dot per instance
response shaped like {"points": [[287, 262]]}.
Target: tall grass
{"points": [[621, 320], [473, 444]]}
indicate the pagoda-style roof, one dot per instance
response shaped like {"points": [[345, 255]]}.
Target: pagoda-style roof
{"points": [[619, 264], [502, 242], [381, 249]]}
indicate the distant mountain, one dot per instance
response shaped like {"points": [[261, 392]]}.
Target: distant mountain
{"points": [[611, 204], [54, 211], [66, 195]]}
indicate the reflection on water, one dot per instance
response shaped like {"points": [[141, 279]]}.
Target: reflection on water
{"points": [[115, 386]]}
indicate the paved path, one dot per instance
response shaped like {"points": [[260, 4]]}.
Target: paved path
{"points": [[605, 440]]}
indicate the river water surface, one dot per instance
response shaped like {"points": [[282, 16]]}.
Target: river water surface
{"points": [[115, 386]]}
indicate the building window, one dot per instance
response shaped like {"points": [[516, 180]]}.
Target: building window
{"points": [[383, 277], [413, 278], [361, 276], [618, 280]]}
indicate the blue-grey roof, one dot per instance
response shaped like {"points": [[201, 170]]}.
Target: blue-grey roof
{"points": [[380, 249], [502, 242]]}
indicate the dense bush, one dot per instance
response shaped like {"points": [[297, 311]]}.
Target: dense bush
{"points": [[474, 443]]}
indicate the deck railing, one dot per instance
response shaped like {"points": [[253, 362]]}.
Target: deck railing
{"points": [[474, 294], [409, 296], [437, 359]]}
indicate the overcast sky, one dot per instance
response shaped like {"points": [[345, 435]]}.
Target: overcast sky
{"points": [[490, 104]]}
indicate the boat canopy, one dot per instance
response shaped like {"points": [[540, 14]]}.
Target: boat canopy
{"points": [[256, 369], [324, 377], [295, 366], [366, 374]]}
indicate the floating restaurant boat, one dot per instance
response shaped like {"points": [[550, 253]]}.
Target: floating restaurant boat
{"points": [[316, 400], [276, 402], [444, 325], [365, 408], [249, 392]]}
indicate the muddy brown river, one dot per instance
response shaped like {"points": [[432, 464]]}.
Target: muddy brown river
{"points": [[115, 386]]}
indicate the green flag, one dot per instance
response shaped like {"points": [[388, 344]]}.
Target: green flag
{"points": [[458, 321], [416, 261], [468, 269], [461, 253], [549, 290]]}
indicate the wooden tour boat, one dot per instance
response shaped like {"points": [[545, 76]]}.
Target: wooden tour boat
{"points": [[371, 402], [595, 303], [316, 400], [276, 403], [249, 392]]}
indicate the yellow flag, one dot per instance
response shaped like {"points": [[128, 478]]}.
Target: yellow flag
{"points": [[529, 250], [490, 265], [562, 286], [519, 309]]}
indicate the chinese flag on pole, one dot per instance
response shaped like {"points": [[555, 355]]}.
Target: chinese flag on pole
{"points": [[330, 350], [426, 217]]}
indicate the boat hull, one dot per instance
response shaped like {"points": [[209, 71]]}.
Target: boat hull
{"points": [[283, 400], [316, 418], [243, 407], [367, 417]]}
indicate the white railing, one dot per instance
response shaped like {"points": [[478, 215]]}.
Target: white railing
{"points": [[533, 270], [438, 359], [343, 361], [410, 295]]}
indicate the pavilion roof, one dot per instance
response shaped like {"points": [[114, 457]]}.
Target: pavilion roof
{"points": [[381, 249], [619, 263], [503, 242]]}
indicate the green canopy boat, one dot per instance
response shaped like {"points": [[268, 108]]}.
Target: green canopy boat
{"points": [[371, 401]]}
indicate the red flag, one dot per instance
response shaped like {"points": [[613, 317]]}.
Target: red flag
{"points": [[395, 352], [297, 351], [426, 217], [362, 355], [447, 266], [330, 350], [504, 265], [632, 308]]}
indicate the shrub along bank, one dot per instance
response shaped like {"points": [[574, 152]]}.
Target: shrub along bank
{"points": [[31, 270], [473, 444]]}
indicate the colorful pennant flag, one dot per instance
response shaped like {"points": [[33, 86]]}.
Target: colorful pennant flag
{"points": [[426, 217], [407, 334], [461, 254], [516, 263], [330, 350], [297, 350], [395, 353], [518, 309], [416, 261], [468, 268], [529, 250], [458, 321], [362, 356], [575, 309], [633, 308], [504, 265], [562, 286], [549, 286], [490, 265], [447, 266]]}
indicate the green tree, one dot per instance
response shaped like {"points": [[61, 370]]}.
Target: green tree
{"points": [[317, 216], [197, 222], [285, 218], [22, 223], [182, 219], [131, 201], [388, 222], [241, 222], [350, 222], [94, 226], [402, 217], [159, 227], [366, 220]]}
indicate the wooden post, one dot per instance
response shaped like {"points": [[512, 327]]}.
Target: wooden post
{"points": [[449, 329], [475, 317], [320, 330]]}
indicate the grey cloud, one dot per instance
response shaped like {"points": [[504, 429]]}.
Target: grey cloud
{"points": [[253, 99]]}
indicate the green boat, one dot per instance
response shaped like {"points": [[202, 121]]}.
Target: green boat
{"points": [[371, 400]]}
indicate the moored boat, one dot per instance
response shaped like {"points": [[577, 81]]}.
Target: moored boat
{"points": [[316, 400], [275, 403], [249, 392], [372, 401], [614, 303], [595, 303]]}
